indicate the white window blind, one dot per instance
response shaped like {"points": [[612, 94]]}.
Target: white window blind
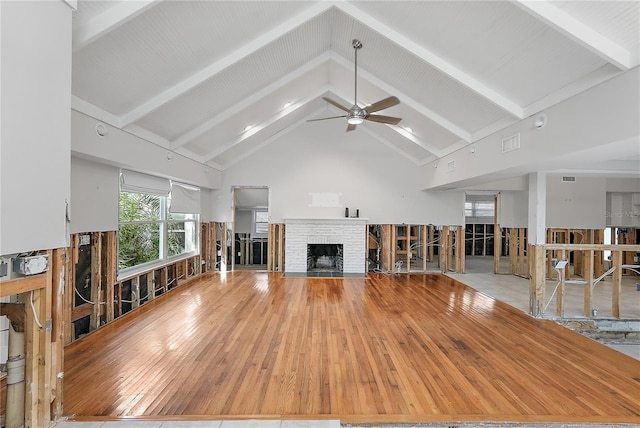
{"points": [[184, 199], [136, 182]]}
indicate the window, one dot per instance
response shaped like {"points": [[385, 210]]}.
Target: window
{"points": [[262, 222], [148, 232], [479, 209]]}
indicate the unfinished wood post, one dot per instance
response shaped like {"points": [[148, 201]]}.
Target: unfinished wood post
{"points": [[38, 358], [281, 261], [460, 249], [497, 236], [560, 297], [522, 239], [385, 247], [430, 241], [70, 281], [444, 249], [111, 274], [423, 246], [96, 279], [551, 239], [393, 237], [58, 268], [270, 248], [598, 267], [588, 286], [537, 281], [513, 250], [616, 260]]}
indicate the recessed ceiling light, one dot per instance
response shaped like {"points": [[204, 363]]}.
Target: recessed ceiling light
{"points": [[408, 129], [248, 127], [287, 104]]}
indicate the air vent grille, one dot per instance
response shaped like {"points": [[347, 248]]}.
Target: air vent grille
{"points": [[451, 165], [567, 179], [511, 143]]}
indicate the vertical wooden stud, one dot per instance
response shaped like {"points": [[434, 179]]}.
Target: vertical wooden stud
{"points": [[96, 278], [522, 239], [560, 297], [616, 260], [281, 247], [59, 270], [424, 246], [537, 281], [69, 283], [497, 236], [112, 272], [444, 249], [598, 266], [513, 250], [588, 286]]}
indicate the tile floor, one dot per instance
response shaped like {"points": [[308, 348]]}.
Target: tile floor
{"points": [[514, 291]]}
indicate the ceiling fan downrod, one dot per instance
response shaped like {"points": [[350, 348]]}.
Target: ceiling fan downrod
{"points": [[357, 44]]}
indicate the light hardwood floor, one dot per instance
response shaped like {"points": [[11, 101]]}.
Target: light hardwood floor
{"points": [[386, 348]]}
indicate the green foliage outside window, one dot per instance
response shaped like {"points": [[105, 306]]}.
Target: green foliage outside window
{"points": [[144, 223]]}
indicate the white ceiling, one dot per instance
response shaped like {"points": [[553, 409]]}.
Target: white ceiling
{"points": [[191, 75]]}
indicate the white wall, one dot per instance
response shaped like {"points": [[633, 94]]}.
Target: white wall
{"points": [[94, 196], [580, 204], [243, 222], [342, 170], [619, 184], [623, 209], [122, 149], [604, 115], [35, 117], [206, 206], [514, 209]]}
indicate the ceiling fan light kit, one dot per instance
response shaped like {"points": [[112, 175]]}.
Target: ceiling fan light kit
{"points": [[356, 115]]}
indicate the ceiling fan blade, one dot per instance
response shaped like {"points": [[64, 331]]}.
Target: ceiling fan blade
{"points": [[351, 127], [326, 118], [337, 104], [383, 119], [382, 104]]}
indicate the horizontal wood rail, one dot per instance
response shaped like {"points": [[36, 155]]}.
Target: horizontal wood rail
{"points": [[595, 247], [541, 256], [22, 285]]}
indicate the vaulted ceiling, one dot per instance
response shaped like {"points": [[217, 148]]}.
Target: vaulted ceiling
{"points": [[218, 80]]}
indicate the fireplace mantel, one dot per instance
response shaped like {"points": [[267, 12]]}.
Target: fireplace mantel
{"points": [[340, 220], [350, 232]]}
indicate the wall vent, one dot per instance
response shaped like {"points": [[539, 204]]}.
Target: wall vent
{"points": [[567, 179], [451, 165], [511, 143]]}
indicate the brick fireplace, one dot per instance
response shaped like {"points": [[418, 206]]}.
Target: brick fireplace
{"points": [[349, 232]]}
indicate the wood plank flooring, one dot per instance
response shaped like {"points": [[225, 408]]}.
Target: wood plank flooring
{"points": [[398, 348]]}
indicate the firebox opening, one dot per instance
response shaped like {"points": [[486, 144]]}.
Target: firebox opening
{"points": [[324, 258]]}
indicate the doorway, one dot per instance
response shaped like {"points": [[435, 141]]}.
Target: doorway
{"points": [[249, 247]]}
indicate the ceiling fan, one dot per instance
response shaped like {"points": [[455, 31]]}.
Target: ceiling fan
{"points": [[356, 114]]}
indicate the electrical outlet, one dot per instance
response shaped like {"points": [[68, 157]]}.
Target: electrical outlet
{"points": [[31, 265]]}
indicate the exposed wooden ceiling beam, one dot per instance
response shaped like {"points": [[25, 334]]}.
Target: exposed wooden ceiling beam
{"points": [[118, 14], [433, 59], [238, 107], [270, 121], [579, 32], [278, 134], [211, 70], [406, 99]]}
